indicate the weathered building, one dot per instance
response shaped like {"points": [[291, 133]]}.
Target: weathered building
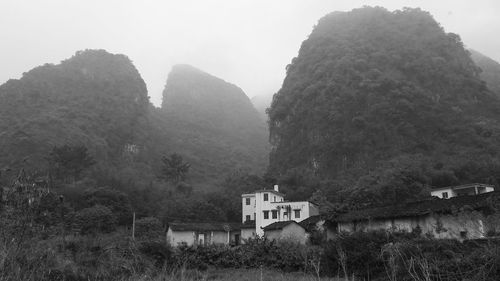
{"points": [[203, 233], [286, 231], [462, 217]]}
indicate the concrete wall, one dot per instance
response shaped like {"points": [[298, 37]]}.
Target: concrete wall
{"points": [[439, 193], [291, 232], [178, 237], [247, 233], [218, 237]]}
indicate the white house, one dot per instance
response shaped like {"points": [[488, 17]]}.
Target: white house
{"points": [[269, 206], [460, 190]]}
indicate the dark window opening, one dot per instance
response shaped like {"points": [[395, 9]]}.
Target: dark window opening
{"points": [[266, 215], [297, 213], [247, 201], [445, 195], [266, 197], [248, 218], [275, 214]]}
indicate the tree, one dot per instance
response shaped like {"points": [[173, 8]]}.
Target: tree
{"points": [[118, 202], [70, 159], [95, 219], [174, 168]]}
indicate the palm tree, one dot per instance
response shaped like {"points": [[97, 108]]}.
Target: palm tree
{"points": [[174, 168]]}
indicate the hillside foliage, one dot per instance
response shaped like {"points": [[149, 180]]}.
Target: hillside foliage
{"points": [[380, 105], [490, 70]]}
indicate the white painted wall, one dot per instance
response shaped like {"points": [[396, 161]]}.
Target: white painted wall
{"points": [[178, 237], [247, 209], [261, 206], [439, 193]]}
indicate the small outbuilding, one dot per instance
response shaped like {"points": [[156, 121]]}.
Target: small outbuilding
{"points": [[286, 230]]}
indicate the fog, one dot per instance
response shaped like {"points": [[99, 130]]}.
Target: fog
{"points": [[248, 43]]}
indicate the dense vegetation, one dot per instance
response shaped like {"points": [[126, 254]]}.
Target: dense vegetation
{"points": [[490, 70], [94, 99], [85, 126], [212, 123], [380, 105]]}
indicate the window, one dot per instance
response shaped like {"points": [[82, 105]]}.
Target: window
{"points": [[247, 201], [445, 195], [285, 215], [274, 199], [275, 214], [248, 218], [266, 197], [297, 213], [266, 215]]}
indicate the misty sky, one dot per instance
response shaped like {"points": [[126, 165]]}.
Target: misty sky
{"points": [[248, 43]]}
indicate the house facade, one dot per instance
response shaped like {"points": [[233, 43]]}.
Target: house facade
{"points": [[269, 206], [202, 234]]}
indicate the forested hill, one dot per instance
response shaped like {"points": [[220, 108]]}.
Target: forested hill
{"points": [[213, 123], [490, 70], [382, 105], [95, 99]]}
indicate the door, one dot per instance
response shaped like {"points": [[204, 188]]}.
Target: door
{"points": [[201, 239]]}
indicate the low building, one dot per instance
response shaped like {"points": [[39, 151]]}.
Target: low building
{"points": [[286, 231], [319, 229], [460, 190], [462, 217], [203, 233]]}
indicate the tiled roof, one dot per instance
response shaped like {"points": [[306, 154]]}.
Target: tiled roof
{"points": [[204, 226], [248, 224], [279, 225], [463, 186], [309, 224], [419, 208]]}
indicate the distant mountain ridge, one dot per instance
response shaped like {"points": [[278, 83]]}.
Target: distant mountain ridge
{"points": [[99, 100], [199, 108], [490, 70]]}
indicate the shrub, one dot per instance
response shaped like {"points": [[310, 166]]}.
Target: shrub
{"points": [[95, 219], [149, 228]]}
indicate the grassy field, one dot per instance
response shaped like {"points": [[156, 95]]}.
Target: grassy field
{"points": [[235, 275]]}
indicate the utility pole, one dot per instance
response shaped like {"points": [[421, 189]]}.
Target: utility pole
{"points": [[133, 226]]}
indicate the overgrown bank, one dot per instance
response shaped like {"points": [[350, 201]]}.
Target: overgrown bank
{"points": [[362, 256]]}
